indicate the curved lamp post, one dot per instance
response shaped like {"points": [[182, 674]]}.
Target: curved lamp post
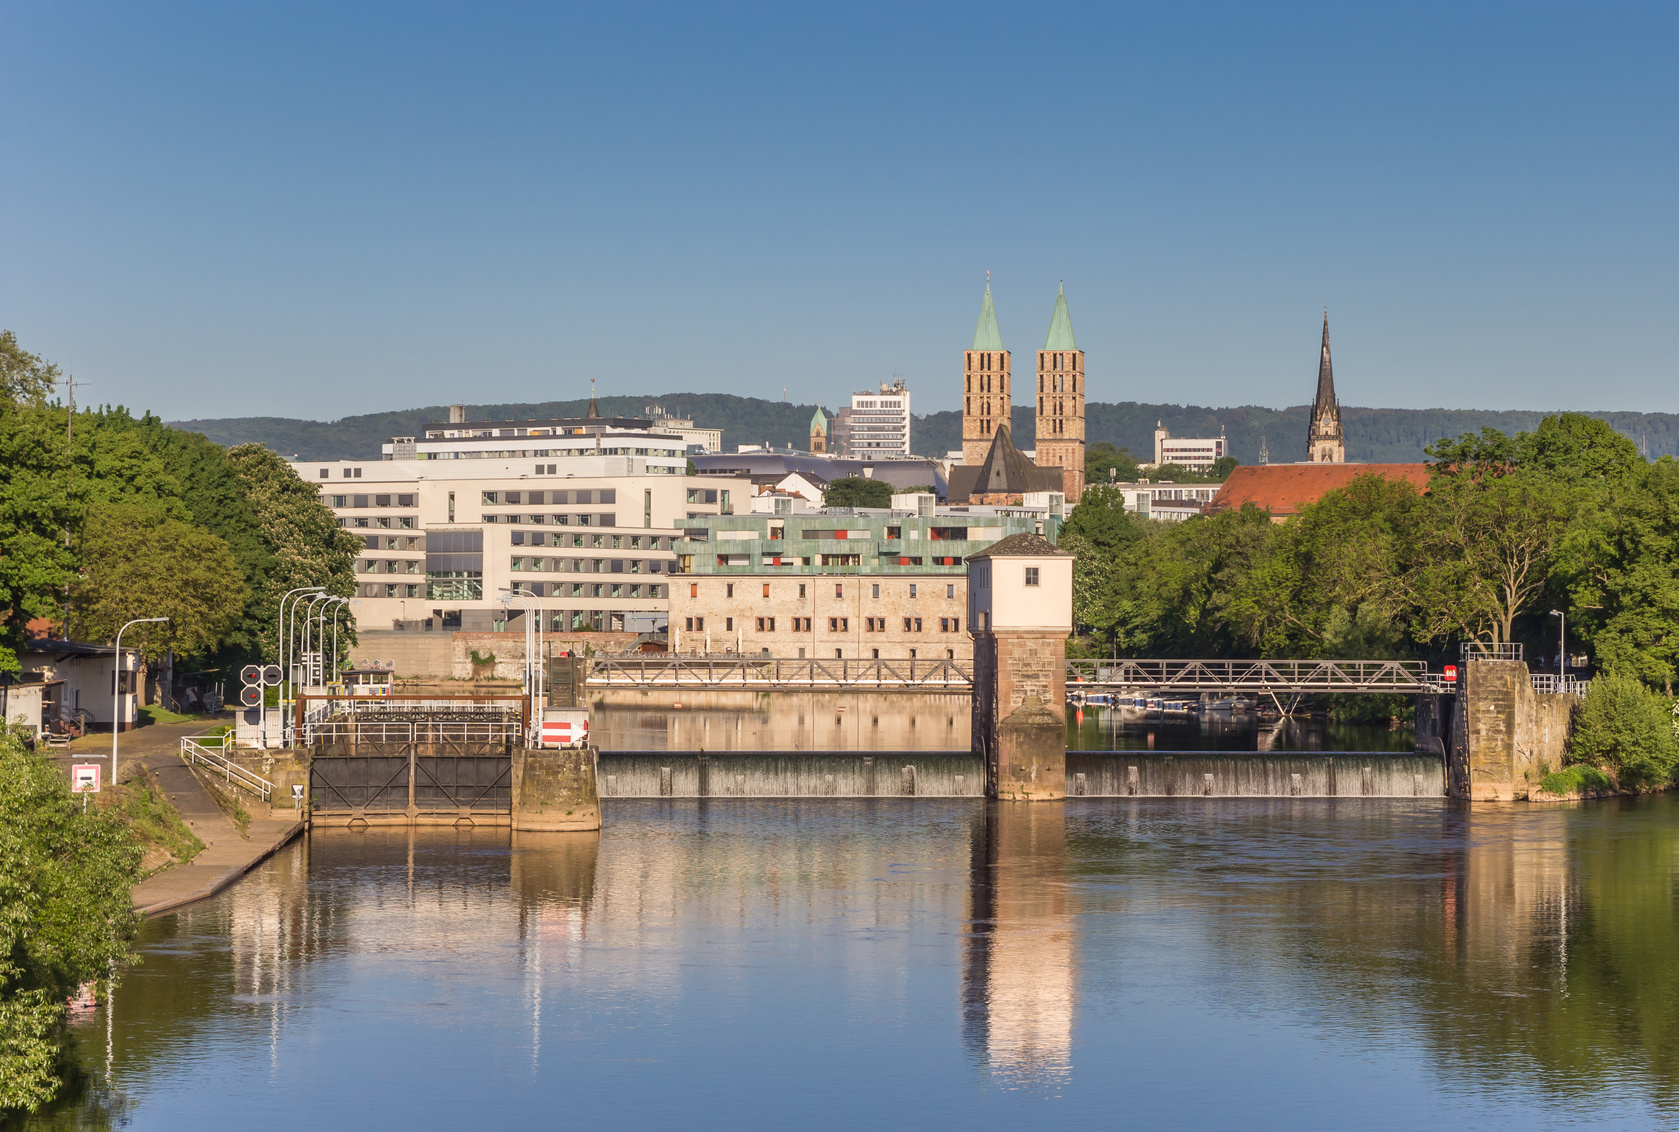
{"points": [[116, 689]]}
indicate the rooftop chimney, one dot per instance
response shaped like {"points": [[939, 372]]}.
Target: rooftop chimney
{"points": [[457, 414]]}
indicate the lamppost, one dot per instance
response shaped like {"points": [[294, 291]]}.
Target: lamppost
{"points": [[282, 643], [533, 643], [116, 689], [1562, 645]]}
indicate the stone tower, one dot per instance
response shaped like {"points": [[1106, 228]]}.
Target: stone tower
{"points": [[818, 431], [1061, 401], [985, 385], [1324, 443]]}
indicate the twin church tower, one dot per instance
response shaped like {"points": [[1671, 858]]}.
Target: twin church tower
{"points": [[987, 399], [987, 396]]}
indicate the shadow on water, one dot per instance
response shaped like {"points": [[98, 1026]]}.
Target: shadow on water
{"points": [[1340, 960]]}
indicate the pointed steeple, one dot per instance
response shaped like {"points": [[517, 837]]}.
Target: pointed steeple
{"points": [[594, 410], [1060, 335], [986, 334], [819, 422], [1326, 376]]}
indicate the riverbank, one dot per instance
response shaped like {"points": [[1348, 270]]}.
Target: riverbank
{"points": [[230, 848]]}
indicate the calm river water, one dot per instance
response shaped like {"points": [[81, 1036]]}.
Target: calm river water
{"points": [[926, 963]]}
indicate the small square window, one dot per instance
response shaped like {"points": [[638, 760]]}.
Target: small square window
{"points": [[1031, 575]]}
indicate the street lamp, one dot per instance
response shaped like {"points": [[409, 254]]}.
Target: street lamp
{"points": [[1562, 645], [116, 689], [281, 643]]}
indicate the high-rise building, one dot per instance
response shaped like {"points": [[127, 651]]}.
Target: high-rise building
{"points": [[878, 423], [1061, 401], [985, 385], [1324, 441]]}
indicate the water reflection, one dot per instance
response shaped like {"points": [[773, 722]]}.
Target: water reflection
{"points": [[1343, 961], [1018, 956]]}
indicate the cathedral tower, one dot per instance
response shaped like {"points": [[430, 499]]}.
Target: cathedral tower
{"points": [[1324, 443], [985, 385], [1061, 401]]}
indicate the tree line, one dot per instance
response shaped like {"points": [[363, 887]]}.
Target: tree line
{"points": [[106, 517]]}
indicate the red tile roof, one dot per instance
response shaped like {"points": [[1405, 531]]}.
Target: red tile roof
{"points": [[1285, 488]]}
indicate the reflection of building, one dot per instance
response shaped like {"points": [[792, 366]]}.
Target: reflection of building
{"points": [[1019, 957]]}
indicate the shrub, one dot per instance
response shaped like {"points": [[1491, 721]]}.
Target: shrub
{"points": [[1578, 779], [1623, 724]]}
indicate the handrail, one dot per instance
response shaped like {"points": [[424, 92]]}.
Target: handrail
{"points": [[197, 749], [1321, 675], [735, 671]]}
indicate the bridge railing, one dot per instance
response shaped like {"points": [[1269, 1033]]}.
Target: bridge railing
{"points": [[1256, 675], [748, 671]]}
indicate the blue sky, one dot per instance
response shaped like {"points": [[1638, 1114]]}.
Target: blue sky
{"points": [[314, 211]]}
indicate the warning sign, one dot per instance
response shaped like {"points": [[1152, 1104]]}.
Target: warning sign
{"points": [[84, 778]]}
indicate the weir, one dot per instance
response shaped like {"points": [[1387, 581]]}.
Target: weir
{"points": [[961, 774]]}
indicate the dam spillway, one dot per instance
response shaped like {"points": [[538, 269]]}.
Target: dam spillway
{"points": [[961, 774]]}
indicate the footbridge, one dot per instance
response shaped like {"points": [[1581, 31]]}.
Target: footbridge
{"points": [[1275, 677]]}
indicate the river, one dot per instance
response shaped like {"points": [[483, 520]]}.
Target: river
{"points": [[913, 963]]}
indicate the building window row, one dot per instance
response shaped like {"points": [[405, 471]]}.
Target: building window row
{"points": [[559, 498], [544, 538], [380, 522], [358, 502], [586, 566]]}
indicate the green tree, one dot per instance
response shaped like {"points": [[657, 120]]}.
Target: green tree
{"points": [[1625, 725], [1102, 457], [65, 918], [36, 566], [24, 377], [1173, 591], [138, 563], [299, 534], [855, 491]]}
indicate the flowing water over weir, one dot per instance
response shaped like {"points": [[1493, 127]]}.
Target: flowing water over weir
{"points": [[956, 774]]}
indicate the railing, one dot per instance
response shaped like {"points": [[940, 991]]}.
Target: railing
{"points": [[357, 731], [1484, 650], [1394, 676], [1550, 682], [736, 672], [212, 752]]}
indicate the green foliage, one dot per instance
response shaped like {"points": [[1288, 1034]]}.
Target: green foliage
{"points": [[35, 513], [1177, 473], [24, 377], [1101, 457], [1623, 724], [855, 491], [1577, 779], [65, 875], [151, 821], [137, 563]]}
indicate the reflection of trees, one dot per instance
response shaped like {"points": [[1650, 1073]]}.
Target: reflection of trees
{"points": [[1018, 961], [1533, 948]]}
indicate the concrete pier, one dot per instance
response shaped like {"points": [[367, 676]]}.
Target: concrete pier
{"points": [[1504, 737], [1031, 755], [555, 791]]}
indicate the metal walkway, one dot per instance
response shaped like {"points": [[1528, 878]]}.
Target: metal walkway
{"points": [[1290, 677], [772, 672]]}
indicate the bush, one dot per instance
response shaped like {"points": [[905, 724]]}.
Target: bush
{"points": [[1623, 724], [1578, 779]]}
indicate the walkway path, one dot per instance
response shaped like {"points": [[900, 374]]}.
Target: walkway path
{"points": [[226, 856]]}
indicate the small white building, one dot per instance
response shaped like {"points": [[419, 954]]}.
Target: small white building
{"points": [[1197, 453], [78, 682]]}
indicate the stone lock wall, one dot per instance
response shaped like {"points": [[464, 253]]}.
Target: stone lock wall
{"points": [[1505, 736], [1009, 667], [555, 791]]}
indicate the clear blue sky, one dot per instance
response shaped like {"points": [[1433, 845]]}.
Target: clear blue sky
{"points": [[239, 209]]}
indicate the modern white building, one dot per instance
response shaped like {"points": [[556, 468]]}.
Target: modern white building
{"points": [[1167, 502], [879, 422], [1198, 453], [580, 513]]}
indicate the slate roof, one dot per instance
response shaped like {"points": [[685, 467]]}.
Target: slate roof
{"points": [[1283, 489], [1005, 471], [1022, 546]]}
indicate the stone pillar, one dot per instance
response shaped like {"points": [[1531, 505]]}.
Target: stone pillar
{"points": [[1031, 755], [1505, 736], [554, 791]]}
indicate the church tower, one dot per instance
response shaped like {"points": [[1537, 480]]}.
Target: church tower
{"points": [[1061, 401], [1324, 443], [985, 385], [819, 431]]}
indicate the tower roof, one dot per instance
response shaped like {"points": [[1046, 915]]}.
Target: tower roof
{"points": [[819, 422], [1326, 376], [986, 334], [1060, 335]]}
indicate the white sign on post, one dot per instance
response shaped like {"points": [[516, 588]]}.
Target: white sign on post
{"points": [[84, 778]]}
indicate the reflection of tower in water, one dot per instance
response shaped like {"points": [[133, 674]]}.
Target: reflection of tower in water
{"points": [[1018, 958], [552, 876]]}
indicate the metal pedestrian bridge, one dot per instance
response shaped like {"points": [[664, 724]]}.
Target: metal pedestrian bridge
{"points": [[1286, 677], [1292, 677]]}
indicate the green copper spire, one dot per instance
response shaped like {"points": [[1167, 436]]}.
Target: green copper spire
{"points": [[819, 422], [1060, 325], [986, 334]]}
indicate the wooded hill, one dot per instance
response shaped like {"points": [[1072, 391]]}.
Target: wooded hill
{"points": [[1373, 435]]}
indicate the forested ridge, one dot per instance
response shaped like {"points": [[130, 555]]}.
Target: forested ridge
{"points": [[1373, 435]]}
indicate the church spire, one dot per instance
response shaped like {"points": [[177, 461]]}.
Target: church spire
{"points": [[1060, 336], [594, 410], [1324, 441], [986, 334]]}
